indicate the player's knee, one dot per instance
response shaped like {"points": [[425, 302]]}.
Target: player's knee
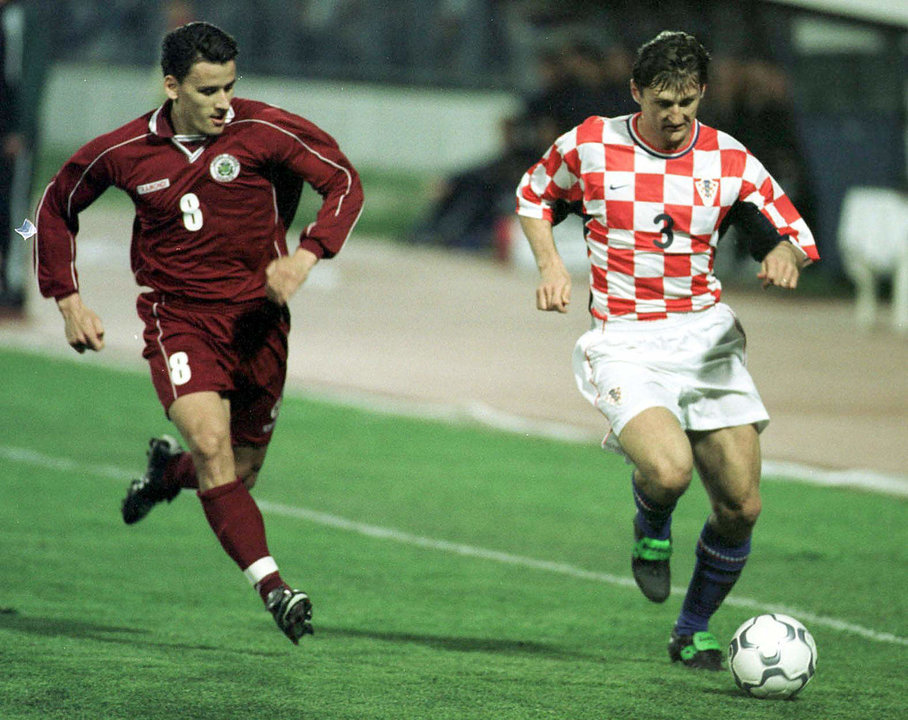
{"points": [[209, 445], [669, 477], [738, 518], [750, 513]]}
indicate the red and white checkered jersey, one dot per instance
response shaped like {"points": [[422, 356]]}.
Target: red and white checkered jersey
{"points": [[652, 218]]}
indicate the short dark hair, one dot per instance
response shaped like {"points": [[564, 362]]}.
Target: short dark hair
{"points": [[671, 60], [192, 42]]}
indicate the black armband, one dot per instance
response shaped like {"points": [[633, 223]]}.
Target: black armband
{"points": [[754, 227], [561, 209]]}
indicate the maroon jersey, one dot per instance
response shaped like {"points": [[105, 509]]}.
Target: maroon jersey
{"points": [[211, 211]]}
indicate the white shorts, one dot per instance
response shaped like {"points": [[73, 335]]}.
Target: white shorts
{"points": [[691, 364]]}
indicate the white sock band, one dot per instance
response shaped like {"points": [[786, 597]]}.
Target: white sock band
{"points": [[260, 569]]}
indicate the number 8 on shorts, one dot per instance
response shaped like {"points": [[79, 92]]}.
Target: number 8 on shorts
{"points": [[180, 373]]}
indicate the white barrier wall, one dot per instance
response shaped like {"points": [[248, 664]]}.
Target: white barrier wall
{"points": [[377, 126]]}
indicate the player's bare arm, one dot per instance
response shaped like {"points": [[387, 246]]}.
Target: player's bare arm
{"points": [[84, 329], [782, 266], [554, 289], [285, 275]]}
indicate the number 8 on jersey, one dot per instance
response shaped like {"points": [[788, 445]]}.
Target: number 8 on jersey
{"points": [[192, 212]]}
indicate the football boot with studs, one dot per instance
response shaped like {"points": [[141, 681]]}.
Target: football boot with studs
{"points": [[292, 611], [147, 491], [650, 565], [700, 651]]}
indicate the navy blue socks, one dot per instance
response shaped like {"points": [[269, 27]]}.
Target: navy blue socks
{"points": [[653, 519], [718, 567]]}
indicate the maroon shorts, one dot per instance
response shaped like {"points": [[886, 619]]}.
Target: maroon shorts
{"points": [[238, 351]]}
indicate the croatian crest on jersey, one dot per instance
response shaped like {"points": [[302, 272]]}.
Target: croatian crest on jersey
{"points": [[708, 190], [224, 168]]}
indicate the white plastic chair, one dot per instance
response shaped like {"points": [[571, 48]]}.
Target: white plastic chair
{"points": [[873, 240]]}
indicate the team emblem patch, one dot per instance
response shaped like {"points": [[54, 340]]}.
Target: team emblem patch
{"points": [[708, 190], [613, 397], [224, 168]]}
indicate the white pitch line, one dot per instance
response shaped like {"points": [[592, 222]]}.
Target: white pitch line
{"points": [[384, 533], [34, 458], [491, 417], [894, 484], [862, 479]]}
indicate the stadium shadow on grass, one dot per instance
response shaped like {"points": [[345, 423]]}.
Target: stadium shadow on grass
{"points": [[10, 619], [733, 693], [463, 644]]}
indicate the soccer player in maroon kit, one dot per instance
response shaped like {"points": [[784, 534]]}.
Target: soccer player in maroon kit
{"points": [[215, 181], [664, 359]]}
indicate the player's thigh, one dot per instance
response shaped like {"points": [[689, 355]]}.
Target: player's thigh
{"points": [[203, 419], [728, 461], [660, 450]]}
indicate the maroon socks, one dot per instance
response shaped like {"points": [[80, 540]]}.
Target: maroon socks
{"points": [[237, 521]]}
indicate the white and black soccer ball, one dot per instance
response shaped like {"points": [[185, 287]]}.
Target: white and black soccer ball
{"points": [[772, 656]]}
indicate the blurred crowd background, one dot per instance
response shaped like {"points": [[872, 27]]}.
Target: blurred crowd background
{"points": [[818, 97]]}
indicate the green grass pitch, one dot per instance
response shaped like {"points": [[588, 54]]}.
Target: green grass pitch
{"points": [[456, 572]]}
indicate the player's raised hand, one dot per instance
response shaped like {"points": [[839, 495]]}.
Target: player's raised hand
{"points": [[84, 329], [554, 290], [781, 267], [284, 276]]}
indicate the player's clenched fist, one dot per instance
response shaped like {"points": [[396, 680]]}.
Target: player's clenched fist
{"points": [[84, 329], [782, 266], [554, 291], [284, 276]]}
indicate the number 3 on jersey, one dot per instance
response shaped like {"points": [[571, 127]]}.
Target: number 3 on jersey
{"points": [[192, 212], [666, 230]]}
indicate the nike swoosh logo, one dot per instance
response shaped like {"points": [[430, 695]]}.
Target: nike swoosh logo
{"points": [[616, 187]]}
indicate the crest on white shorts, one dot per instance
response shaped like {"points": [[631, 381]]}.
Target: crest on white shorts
{"points": [[613, 396], [708, 190], [224, 168]]}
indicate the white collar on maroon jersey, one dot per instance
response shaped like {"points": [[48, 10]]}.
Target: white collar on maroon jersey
{"points": [[159, 124], [638, 138]]}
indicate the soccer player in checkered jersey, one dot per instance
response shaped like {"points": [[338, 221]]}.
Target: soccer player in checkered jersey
{"points": [[664, 358], [215, 181]]}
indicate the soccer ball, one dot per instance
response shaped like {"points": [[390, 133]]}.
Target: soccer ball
{"points": [[772, 656]]}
